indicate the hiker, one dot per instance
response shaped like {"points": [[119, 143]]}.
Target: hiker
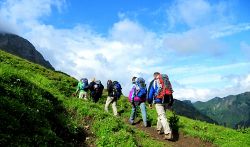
{"points": [[82, 88], [137, 97], [96, 89], [114, 92], [160, 93]]}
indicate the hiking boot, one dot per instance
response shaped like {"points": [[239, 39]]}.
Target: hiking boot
{"points": [[168, 136], [159, 132], [131, 122]]}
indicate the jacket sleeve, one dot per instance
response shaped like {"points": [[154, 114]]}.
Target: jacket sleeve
{"points": [[170, 86], [158, 87], [150, 84], [77, 88], [151, 94], [171, 100], [134, 93]]}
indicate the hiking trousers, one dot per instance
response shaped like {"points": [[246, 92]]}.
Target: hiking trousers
{"points": [[143, 112], [162, 122], [83, 94], [108, 102]]}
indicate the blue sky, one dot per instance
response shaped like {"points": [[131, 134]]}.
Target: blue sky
{"points": [[204, 45]]}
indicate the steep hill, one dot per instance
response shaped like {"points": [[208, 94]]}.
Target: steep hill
{"points": [[37, 109], [21, 47], [229, 111]]}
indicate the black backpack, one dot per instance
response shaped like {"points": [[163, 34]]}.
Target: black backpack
{"points": [[98, 87], [109, 87], [117, 90]]}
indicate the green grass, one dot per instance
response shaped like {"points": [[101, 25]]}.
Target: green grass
{"points": [[36, 108]]}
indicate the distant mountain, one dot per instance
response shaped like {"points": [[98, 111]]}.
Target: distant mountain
{"points": [[229, 111], [185, 108], [23, 48]]}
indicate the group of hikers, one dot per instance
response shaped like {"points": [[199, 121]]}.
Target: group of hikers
{"points": [[159, 92]]}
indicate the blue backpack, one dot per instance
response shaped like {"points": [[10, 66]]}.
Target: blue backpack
{"points": [[117, 89], [85, 83], [141, 88]]}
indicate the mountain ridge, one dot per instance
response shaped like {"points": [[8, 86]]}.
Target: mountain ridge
{"points": [[21, 47], [222, 109]]}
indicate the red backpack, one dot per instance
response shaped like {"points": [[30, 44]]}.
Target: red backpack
{"points": [[165, 86]]}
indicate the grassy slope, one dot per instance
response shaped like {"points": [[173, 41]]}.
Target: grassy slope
{"points": [[37, 107]]}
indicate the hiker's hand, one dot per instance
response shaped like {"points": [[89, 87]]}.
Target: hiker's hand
{"points": [[150, 106]]}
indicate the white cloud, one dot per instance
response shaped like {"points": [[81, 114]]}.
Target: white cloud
{"points": [[190, 12], [230, 30], [203, 23], [84, 53], [129, 49], [196, 13], [194, 41], [239, 84], [201, 83], [16, 14]]}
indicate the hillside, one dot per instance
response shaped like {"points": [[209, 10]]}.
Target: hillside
{"points": [[229, 111], [37, 109], [21, 47]]}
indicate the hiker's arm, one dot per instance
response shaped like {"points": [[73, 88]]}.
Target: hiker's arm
{"points": [[157, 88], [77, 88], [170, 86], [171, 100], [133, 96], [151, 95]]}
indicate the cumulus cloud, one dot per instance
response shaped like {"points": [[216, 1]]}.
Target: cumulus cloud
{"points": [[85, 53], [16, 14], [129, 49], [240, 83], [204, 23], [196, 13], [201, 83], [194, 41]]}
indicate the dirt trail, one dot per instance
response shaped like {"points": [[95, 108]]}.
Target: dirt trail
{"points": [[179, 140]]}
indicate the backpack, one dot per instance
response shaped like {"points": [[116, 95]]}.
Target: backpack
{"points": [[117, 89], [97, 85], [84, 83], [165, 86], [141, 88], [109, 87]]}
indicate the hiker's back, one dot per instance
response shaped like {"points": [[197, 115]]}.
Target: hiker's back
{"points": [[161, 90], [165, 87], [138, 92], [84, 84], [98, 87], [116, 90], [109, 87]]}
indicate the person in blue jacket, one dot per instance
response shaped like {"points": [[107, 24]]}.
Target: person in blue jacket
{"points": [[161, 104]]}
